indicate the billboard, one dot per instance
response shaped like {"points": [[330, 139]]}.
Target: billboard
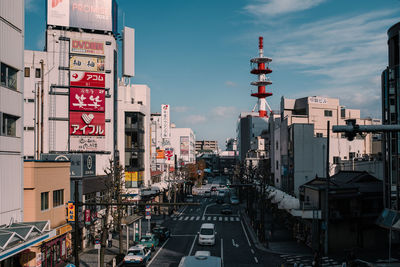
{"points": [[86, 63], [86, 123], [79, 143], [85, 14], [88, 47], [128, 52], [165, 124], [160, 154], [184, 145], [81, 164], [88, 79], [86, 99]]}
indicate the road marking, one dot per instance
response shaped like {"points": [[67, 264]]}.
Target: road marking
{"points": [[209, 218], [183, 210], [212, 204], [237, 219], [232, 219], [222, 251], [244, 230], [220, 218], [215, 218], [197, 218], [192, 218], [191, 249], [181, 235], [174, 219], [255, 258], [190, 210], [234, 244], [158, 252], [252, 251], [186, 218], [180, 218], [226, 219], [203, 218]]}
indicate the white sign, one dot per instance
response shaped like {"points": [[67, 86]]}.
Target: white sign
{"points": [[87, 143], [165, 123], [97, 246], [317, 100]]}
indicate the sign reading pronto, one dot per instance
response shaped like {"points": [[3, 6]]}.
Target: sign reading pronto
{"points": [[87, 79], [86, 99]]}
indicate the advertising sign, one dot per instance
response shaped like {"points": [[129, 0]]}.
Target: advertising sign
{"points": [[71, 212], [160, 154], [88, 79], [165, 124], [79, 143], [86, 99], [184, 145], [86, 63], [86, 123], [87, 217], [83, 164], [169, 155], [87, 47], [86, 14]]}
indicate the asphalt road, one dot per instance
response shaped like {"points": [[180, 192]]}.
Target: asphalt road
{"points": [[233, 245]]}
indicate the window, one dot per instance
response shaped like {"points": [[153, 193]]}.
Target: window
{"points": [[336, 160], [58, 198], [343, 113], [37, 73], [27, 72], [9, 125], [319, 135], [277, 165], [277, 145], [328, 113], [352, 155], [44, 201], [8, 76]]}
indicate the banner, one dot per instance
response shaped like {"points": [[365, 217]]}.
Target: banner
{"points": [[160, 154], [88, 79], [71, 212], [86, 123], [80, 143], [85, 99], [184, 145], [86, 63], [87, 47], [165, 123]]}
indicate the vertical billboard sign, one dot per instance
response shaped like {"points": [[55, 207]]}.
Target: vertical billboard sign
{"points": [[128, 52], [86, 99], [85, 14], [184, 145], [165, 123]]}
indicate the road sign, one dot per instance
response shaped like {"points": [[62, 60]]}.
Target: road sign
{"points": [[71, 212], [148, 215], [97, 246], [70, 265]]}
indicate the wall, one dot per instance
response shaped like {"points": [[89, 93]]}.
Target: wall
{"points": [[45, 177], [176, 134]]}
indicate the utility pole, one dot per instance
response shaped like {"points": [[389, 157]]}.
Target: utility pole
{"points": [[327, 190], [76, 223]]}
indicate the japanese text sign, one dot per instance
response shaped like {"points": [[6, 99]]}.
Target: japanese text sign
{"points": [[85, 99], [71, 212], [89, 79], [86, 123]]}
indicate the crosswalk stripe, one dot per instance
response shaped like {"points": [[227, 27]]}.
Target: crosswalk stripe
{"points": [[203, 218], [220, 218], [197, 218], [226, 219], [186, 218], [215, 218], [237, 219], [232, 219], [180, 218], [209, 218], [174, 218], [192, 218]]}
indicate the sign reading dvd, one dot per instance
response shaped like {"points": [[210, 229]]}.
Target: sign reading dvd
{"points": [[87, 63], [87, 79], [87, 47], [85, 14]]}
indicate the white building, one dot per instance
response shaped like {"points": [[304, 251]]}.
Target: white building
{"points": [[183, 142], [11, 111], [134, 135]]}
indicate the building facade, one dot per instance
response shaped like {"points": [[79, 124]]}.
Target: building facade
{"points": [[390, 115], [183, 142], [11, 110], [206, 145]]}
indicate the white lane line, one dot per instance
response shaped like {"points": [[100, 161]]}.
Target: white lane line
{"points": [[174, 219], [183, 210], [212, 204], [186, 218], [197, 218], [252, 251], [181, 235], [192, 218], [158, 252], [244, 230], [222, 251], [203, 218], [191, 249], [255, 258]]}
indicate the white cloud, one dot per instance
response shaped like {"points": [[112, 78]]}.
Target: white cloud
{"points": [[278, 7], [230, 84], [224, 111], [194, 119], [179, 109]]}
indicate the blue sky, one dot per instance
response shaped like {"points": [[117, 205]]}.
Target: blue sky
{"points": [[194, 55]]}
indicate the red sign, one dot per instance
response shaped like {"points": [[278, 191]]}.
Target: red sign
{"points": [[87, 217], [169, 153], [89, 79], [87, 47], [86, 99], [87, 123]]}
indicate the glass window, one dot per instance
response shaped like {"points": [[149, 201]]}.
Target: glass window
{"points": [[9, 124], [27, 72], [8, 76], [37, 73], [319, 135], [328, 113], [44, 201], [58, 198]]}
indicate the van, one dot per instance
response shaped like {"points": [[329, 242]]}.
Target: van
{"points": [[207, 234], [200, 261]]}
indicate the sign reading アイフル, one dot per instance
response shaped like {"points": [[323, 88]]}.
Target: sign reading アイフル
{"points": [[87, 123], [84, 14]]}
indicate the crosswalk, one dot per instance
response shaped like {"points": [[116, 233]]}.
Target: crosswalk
{"points": [[306, 261], [206, 218]]}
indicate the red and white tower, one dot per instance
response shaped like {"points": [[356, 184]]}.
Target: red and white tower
{"points": [[260, 67]]}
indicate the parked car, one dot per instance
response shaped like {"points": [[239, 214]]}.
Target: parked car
{"points": [[162, 233], [226, 209], [149, 241], [200, 261], [234, 200], [137, 255], [207, 234]]}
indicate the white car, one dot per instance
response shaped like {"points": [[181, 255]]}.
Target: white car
{"points": [[137, 255], [207, 234]]}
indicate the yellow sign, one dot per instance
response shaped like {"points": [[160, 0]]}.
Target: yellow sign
{"points": [[87, 63], [134, 176], [71, 212]]}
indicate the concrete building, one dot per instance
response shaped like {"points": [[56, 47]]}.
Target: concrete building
{"points": [[231, 144], [46, 190], [249, 126], [390, 115], [134, 135], [11, 110], [206, 145], [183, 142], [299, 149]]}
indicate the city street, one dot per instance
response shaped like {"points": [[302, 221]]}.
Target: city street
{"points": [[233, 245]]}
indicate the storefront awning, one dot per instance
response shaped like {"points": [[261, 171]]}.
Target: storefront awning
{"points": [[16, 237]]}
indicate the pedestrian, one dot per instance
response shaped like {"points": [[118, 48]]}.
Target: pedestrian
{"points": [[316, 261], [109, 240]]}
